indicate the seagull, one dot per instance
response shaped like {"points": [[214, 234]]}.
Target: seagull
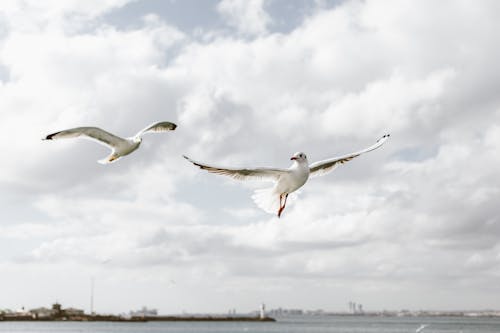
{"points": [[119, 146], [286, 180], [421, 328]]}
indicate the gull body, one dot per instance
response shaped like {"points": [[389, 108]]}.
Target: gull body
{"points": [[128, 146], [296, 175], [287, 181], [290, 181], [119, 146]]}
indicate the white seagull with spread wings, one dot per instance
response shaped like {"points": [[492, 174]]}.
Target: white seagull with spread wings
{"points": [[119, 146], [286, 180]]}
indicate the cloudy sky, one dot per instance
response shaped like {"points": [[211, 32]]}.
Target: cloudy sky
{"points": [[415, 224]]}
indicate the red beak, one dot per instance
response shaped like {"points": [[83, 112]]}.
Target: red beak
{"points": [[293, 158]]}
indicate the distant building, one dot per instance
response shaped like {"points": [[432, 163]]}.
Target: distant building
{"points": [[43, 312], [57, 308], [355, 308], [286, 312], [21, 313], [73, 312], [55, 312], [262, 311], [144, 312], [5, 311], [318, 312]]}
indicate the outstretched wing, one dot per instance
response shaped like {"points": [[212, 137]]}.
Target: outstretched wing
{"points": [[242, 174], [94, 133], [161, 126], [323, 167]]}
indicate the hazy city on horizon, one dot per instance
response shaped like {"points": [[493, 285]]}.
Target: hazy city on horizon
{"points": [[354, 309], [412, 225]]}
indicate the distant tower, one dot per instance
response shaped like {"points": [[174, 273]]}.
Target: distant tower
{"points": [[262, 311], [57, 307], [360, 308], [353, 307], [92, 295]]}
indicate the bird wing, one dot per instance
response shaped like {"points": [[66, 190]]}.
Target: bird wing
{"points": [[421, 328], [161, 126], [242, 174], [323, 167], [94, 133]]}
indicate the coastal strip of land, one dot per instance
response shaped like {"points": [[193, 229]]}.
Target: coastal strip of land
{"points": [[113, 318]]}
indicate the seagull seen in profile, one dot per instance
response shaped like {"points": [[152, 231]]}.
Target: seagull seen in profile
{"points": [[119, 146], [421, 328], [286, 181]]}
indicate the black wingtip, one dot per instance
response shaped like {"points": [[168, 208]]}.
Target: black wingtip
{"points": [[174, 126], [383, 137], [50, 136]]}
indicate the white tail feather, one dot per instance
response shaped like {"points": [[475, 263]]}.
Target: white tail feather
{"points": [[267, 199]]}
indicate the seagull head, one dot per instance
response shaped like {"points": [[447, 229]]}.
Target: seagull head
{"points": [[299, 157]]}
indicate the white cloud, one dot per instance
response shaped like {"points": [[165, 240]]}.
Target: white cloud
{"points": [[30, 16], [248, 16]]}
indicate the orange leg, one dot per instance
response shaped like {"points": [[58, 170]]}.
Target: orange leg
{"points": [[280, 209]]}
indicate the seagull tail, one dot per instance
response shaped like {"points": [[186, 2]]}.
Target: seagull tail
{"points": [[109, 159], [267, 199]]}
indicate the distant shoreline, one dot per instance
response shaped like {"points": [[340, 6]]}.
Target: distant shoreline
{"points": [[225, 318], [139, 319], [419, 314]]}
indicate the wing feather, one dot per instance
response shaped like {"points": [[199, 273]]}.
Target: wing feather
{"points": [[94, 133], [323, 167], [161, 126], [241, 174]]}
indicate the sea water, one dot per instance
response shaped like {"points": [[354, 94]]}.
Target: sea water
{"points": [[301, 324]]}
